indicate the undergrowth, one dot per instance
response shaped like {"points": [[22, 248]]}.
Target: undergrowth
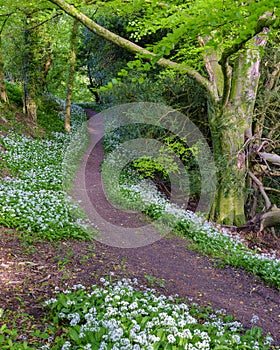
{"points": [[122, 315], [32, 193]]}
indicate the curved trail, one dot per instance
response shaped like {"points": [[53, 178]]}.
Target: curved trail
{"points": [[186, 273]]}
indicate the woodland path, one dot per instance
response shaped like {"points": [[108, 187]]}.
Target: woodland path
{"points": [[167, 265], [185, 272]]}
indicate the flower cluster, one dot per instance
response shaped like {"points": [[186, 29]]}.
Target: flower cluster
{"points": [[219, 241], [141, 194], [120, 315], [32, 198]]}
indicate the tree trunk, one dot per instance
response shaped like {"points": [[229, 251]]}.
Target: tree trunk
{"points": [[3, 91], [29, 74], [270, 219], [71, 74], [228, 138], [92, 87], [46, 70], [231, 126]]}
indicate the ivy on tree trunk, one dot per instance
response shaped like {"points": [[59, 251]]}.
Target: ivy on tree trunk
{"points": [[29, 72], [71, 74], [3, 91]]}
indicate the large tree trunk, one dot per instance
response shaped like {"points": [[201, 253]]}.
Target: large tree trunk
{"points": [[231, 126], [3, 91], [71, 74], [227, 129]]}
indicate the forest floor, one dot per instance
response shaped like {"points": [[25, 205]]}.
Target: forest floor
{"points": [[29, 272]]}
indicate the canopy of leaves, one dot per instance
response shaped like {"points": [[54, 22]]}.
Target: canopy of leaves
{"points": [[178, 24]]}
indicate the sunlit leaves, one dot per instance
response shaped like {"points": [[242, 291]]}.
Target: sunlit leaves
{"points": [[227, 22]]}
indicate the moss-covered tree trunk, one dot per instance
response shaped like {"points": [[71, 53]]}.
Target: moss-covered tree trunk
{"points": [[30, 72], [3, 90], [227, 129], [230, 121], [72, 65]]}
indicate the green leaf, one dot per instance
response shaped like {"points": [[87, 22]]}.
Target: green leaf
{"points": [[73, 334], [123, 73]]}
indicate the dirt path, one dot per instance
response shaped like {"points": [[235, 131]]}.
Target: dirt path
{"points": [[183, 271], [28, 274]]}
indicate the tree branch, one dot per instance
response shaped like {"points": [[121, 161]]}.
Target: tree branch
{"points": [[261, 188], [42, 23], [264, 22], [5, 21], [270, 157], [227, 82], [271, 189], [134, 48]]}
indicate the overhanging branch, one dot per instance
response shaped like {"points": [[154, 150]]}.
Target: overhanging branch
{"points": [[43, 22], [134, 48]]}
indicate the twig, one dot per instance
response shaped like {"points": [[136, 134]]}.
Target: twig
{"points": [[272, 189], [45, 279]]}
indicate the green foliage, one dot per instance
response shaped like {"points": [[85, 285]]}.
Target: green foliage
{"points": [[170, 88], [122, 313], [49, 115], [231, 23], [152, 168], [9, 340], [159, 167], [14, 93], [102, 65], [33, 197], [17, 331]]}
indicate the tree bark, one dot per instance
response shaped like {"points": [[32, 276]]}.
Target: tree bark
{"points": [[3, 90], [227, 134], [270, 219], [29, 72], [231, 126], [270, 157], [71, 75]]}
